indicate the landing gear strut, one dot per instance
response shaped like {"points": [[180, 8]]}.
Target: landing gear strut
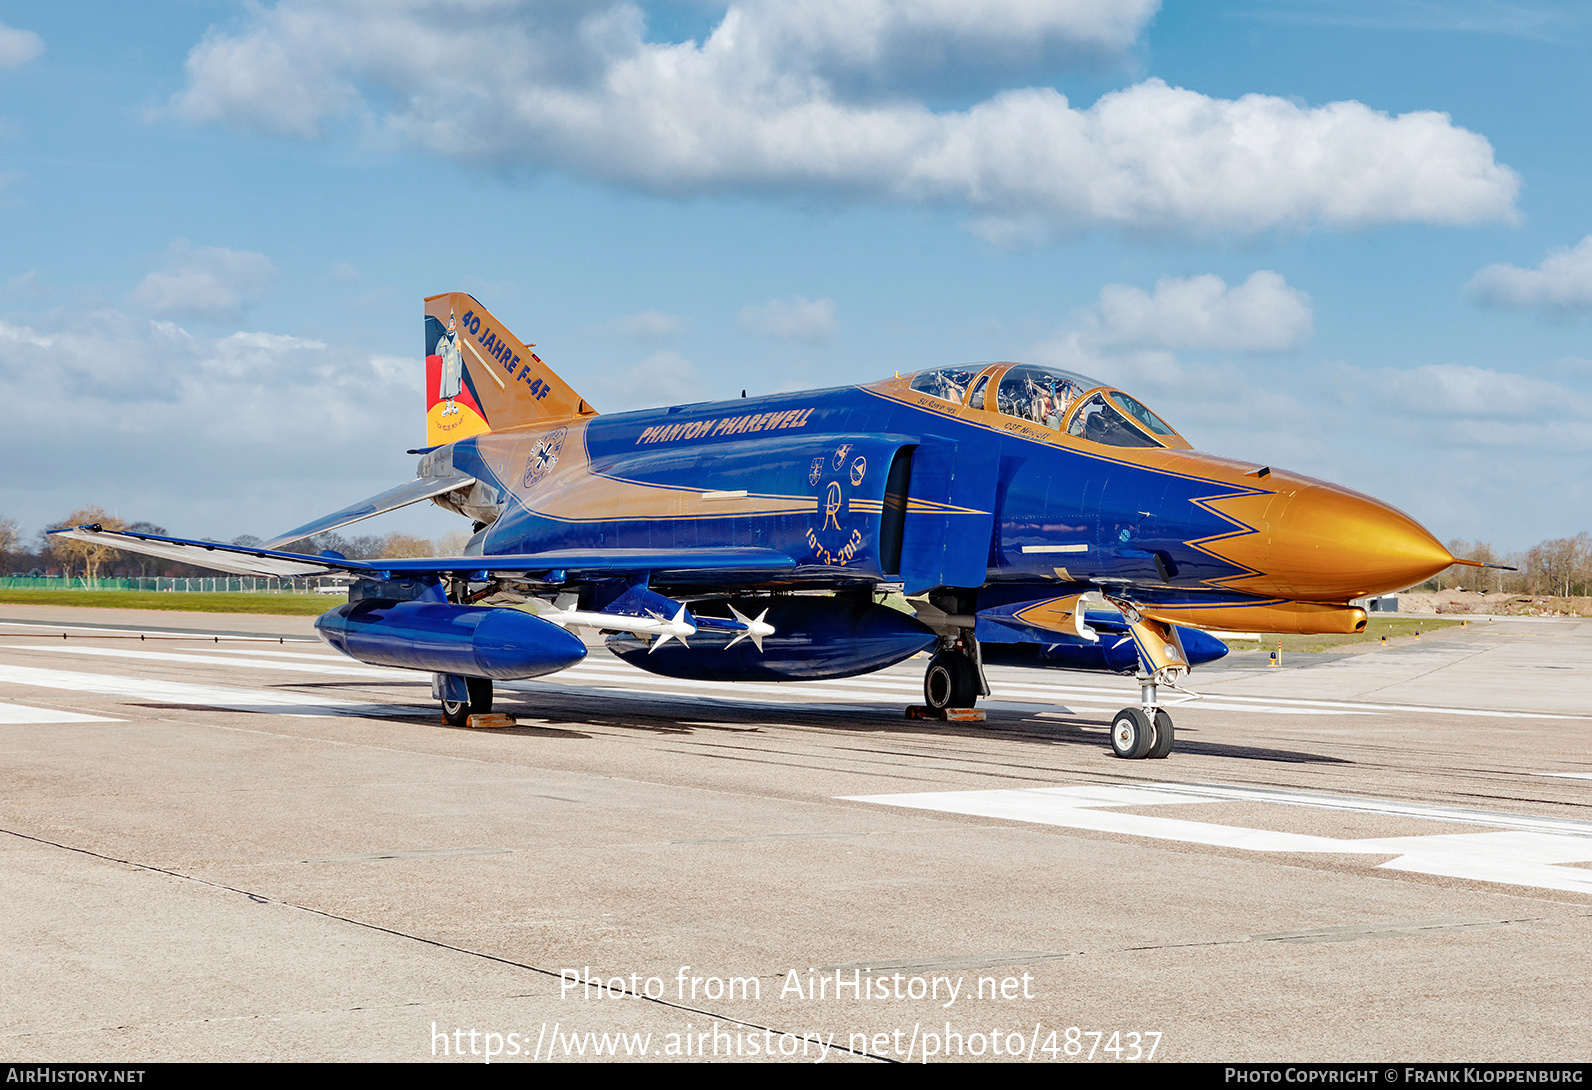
{"points": [[1146, 731], [462, 697]]}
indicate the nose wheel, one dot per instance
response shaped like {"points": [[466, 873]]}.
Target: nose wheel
{"points": [[1145, 731]]}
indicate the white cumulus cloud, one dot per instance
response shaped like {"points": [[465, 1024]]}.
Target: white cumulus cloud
{"points": [[813, 97], [663, 378], [18, 47], [793, 319], [277, 426], [644, 325], [1263, 314], [1560, 284], [205, 282]]}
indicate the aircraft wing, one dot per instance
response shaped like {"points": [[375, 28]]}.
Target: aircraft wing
{"points": [[573, 563], [422, 488]]}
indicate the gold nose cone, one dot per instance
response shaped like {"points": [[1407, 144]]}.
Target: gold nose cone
{"points": [[1329, 543]]}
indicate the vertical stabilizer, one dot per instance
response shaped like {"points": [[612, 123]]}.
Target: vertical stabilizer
{"points": [[480, 377]]}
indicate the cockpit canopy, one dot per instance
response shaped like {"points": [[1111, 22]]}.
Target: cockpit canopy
{"points": [[1055, 399]]}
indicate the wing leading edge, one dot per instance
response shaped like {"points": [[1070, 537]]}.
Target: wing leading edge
{"points": [[246, 560]]}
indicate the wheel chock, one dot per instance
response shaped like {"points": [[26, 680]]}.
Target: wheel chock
{"points": [[491, 721], [946, 715]]}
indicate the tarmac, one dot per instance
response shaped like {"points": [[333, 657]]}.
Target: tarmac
{"points": [[243, 849]]}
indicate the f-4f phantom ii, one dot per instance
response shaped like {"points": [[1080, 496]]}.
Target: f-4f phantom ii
{"points": [[1031, 515]]}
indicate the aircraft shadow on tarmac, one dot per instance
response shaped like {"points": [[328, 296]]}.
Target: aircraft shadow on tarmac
{"points": [[619, 710], [623, 712]]}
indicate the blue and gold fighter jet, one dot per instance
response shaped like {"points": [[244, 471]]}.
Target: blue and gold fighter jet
{"points": [[1030, 516]]}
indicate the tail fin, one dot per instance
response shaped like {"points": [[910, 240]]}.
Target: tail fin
{"points": [[480, 377]]}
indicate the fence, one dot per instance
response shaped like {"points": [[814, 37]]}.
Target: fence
{"points": [[236, 584]]}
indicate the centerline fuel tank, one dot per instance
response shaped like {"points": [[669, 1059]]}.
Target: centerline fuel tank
{"points": [[814, 638]]}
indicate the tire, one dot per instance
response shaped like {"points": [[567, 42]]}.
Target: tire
{"points": [[1131, 734], [951, 681], [1164, 736], [480, 690], [458, 712]]}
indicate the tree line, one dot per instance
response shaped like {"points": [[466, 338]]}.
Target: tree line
{"points": [[1561, 567], [60, 556]]}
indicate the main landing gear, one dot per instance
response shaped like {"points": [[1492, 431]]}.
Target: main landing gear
{"points": [[462, 697], [950, 682], [955, 677]]}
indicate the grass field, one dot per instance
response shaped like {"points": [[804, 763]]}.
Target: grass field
{"points": [[292, 605], [1394, 628]]}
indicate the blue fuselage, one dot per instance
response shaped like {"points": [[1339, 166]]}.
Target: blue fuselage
{"points": [[856, 484]]}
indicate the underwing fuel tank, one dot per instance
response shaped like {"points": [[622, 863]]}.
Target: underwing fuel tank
{"points": [[814, 639], [442, 638]]}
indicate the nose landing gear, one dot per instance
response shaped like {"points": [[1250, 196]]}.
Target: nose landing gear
{"points": [[1146, 731]]}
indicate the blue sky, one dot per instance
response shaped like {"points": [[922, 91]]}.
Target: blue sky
{"points": [[1345, 238]]}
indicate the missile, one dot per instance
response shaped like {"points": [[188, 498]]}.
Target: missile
{"points": [[683, 624], [677, 628]]}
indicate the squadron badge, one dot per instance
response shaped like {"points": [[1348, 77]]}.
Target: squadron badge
{"points": [[544, 457]]}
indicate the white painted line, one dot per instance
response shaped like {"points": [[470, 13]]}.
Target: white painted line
{"points": [[151, 632], [1526, 851], [323, 656], [351, 670], [1055, 548], [177, 692], [15, 715], [1566, 775]]}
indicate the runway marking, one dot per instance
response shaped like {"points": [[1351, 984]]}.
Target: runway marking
{"points": [[163, 633], [353, 669], [1066, 699], [15, 715], [179, 692], [1566, 775], [1527, 851], [324, 656]]}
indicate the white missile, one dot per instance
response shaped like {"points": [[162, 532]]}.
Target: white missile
{"points": [[665, 629], [678, 628], [755, 630]]}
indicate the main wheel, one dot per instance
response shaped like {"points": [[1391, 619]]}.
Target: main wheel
{"points": [[1131, 734], [950, 682], [1164, 736], [458, 712]]}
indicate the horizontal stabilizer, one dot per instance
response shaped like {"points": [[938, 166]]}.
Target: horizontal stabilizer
{"points": [[422, 488], [570, 564]]}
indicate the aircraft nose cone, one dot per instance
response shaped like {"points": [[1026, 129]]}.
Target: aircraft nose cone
{"points": [[1332, 544]]}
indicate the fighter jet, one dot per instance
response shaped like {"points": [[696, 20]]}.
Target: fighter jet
{"points": [[1028, 514]]}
